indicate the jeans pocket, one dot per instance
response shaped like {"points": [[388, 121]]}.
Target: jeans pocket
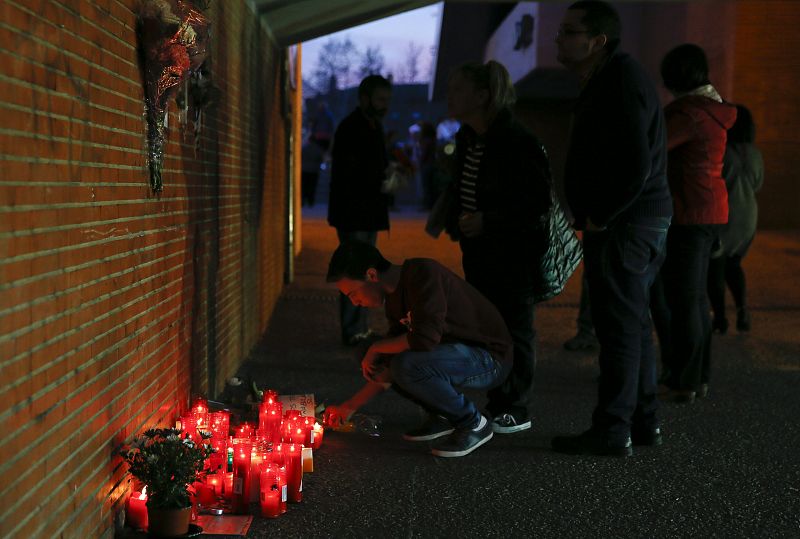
{"points": [[642, 246]]}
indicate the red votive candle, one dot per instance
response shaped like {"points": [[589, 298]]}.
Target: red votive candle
{"points": [[245, 430], [200, 412], [294, 472], [136, 510], [257, 460], [270, 491], [270, 396], [318, 433], [269, 420], [220, 424], [189, 427], [227, 484], [242, 453]]}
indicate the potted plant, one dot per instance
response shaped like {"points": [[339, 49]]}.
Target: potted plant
{"points": [[167, 464]]}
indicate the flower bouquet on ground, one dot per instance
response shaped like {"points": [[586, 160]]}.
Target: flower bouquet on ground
{"points": [[167, 464]]}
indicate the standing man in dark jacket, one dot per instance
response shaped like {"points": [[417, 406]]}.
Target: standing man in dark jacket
{"points": [[616, 186], [357, 207]]}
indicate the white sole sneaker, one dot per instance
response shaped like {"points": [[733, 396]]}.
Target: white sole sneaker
{"points": [[509, 430], [427, 437], [447, 454]]}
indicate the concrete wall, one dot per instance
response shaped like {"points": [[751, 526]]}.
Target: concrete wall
{"points": [[115, 303]]}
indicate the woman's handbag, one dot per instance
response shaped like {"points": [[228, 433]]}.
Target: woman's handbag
{"points": [[561, 255]]}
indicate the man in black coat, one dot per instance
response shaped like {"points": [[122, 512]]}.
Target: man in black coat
{"points": [[616, 185], [357, 208]]}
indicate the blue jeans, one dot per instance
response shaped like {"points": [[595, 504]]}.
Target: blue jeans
{"points": [[432, 379], [621, 264], [353, 319]]}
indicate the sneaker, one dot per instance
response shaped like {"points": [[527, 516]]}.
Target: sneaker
{"points": [[508, 423], [650, 437], [590, 443], [581, 341], [463, 441], [434, 427]]}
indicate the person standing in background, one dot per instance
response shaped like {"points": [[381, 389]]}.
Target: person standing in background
{"points": [[357, 207], [743, 170]]}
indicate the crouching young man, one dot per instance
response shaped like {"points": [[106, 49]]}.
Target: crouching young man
{"points": [[444, 336]]}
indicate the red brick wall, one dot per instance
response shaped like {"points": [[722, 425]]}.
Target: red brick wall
{"points": [[767, 80], [116, 303]]}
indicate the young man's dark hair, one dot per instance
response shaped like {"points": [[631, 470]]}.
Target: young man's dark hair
{"points": [[600, 18], [352, 260], [684, 68], [744, 130], [372, 83]]}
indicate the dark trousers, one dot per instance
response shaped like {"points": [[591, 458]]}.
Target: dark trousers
{"points": [[514, 394], [662, 320], [721, 271], [353, 319], [621, 264], [686, 279], [308, 187]]}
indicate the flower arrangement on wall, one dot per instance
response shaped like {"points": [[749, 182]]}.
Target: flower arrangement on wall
{"points": [[173, 42]]}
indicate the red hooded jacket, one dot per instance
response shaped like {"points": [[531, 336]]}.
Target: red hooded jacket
{"points": [[697, 129]]}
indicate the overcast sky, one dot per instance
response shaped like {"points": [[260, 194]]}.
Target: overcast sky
{"points": [[392, 34]]}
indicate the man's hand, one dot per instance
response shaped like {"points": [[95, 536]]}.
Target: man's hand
{"points": [[471, 224], [369, 365], [335, 416]]}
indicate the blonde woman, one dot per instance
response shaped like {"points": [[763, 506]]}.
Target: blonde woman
{"points": [[502, 193]]}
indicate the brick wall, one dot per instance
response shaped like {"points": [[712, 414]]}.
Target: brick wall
{"points": [[116, 303], [767, 80]]}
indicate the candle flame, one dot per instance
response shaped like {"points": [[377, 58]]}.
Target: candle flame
{"points": [[143, 495]]}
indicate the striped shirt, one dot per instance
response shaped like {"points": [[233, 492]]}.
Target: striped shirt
{"points": [[469, 177]]}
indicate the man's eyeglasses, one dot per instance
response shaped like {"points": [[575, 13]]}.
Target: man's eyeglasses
{"points": [[569, 32]]}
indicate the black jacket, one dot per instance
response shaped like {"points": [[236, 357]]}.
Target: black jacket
{"points": [[616, 166], [513, 193], [358, 165]]}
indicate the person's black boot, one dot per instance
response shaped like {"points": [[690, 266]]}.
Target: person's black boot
{"points": [[591, 443], [742, 319], [720, 325]]}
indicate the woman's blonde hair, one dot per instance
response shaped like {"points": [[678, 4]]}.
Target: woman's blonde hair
{"points": [[493, 77]]}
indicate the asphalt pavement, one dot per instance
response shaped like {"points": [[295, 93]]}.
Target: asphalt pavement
{"points": [[729, 467]]}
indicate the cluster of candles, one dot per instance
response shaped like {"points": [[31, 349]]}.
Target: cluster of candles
{"points": [[263, 463]]}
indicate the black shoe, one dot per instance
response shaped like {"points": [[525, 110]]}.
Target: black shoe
{"points": [[463, 441], [590, 443], [742, 320], [651, 437], [678, 396], [720, 325], [508, 422], [434, 427]]}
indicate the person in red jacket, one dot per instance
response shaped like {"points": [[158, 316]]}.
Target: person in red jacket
{"points": [[697, 124]]}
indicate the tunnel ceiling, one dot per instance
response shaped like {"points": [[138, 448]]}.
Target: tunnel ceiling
{"points": [[293, 21]]}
